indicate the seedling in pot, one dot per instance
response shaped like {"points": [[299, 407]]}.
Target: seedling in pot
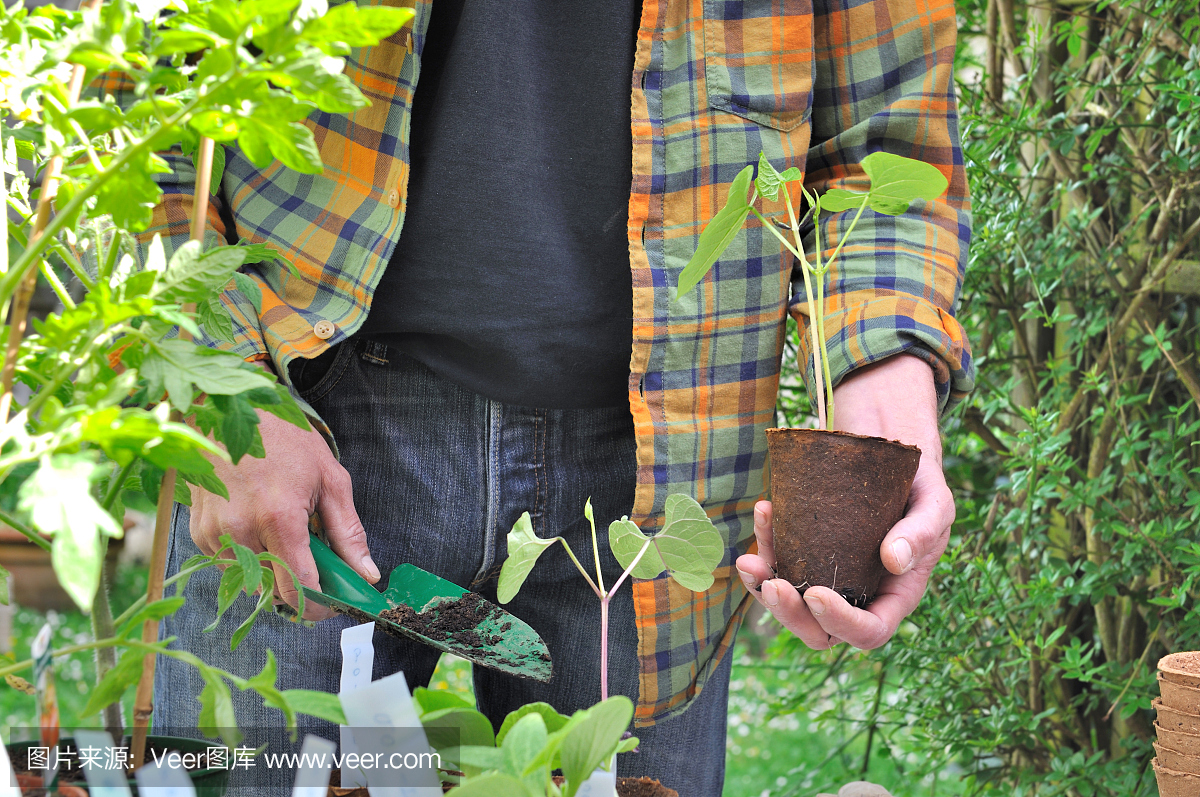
{"points": [[827, 530]]}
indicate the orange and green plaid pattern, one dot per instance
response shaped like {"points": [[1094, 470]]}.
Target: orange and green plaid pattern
{"points": [[816, 86]]}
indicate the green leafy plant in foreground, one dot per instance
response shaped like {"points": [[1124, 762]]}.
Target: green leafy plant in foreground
{"points": [[895, 181], [107, 383], [532, 742]]}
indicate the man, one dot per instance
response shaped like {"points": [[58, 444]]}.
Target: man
{"points": [[518, 347]]}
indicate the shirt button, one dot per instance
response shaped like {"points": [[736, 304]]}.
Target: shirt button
{"points": [[324, 329], [393, 198]]}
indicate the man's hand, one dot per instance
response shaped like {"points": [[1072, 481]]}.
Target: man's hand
{"points": [[270, 501], [893, 399]]}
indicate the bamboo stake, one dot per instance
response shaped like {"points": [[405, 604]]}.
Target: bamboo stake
{"points": [[144, 701], [24, 294]]}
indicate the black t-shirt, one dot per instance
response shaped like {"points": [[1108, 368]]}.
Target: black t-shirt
{"points": [[511, 276]]}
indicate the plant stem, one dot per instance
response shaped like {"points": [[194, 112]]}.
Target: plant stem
{"points": [[60, 290], [106, 657], [595, 548], [17, 525], [582, 571], [604, 600], [814, 312]]}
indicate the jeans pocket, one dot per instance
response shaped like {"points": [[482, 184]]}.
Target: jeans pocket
{"points": [[758, 62], [316, 377]]}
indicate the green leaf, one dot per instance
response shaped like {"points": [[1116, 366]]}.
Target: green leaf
{"points": [[839, 199], [688, 546], [767, 182], [279, 402], [217, 717], [319, 79], [322, 705], [550, 718], [193, 276], [593, 741], [152, 611], [264, 684], [213, 316], [124, 674], [264, 139], [626, 541], [521, 746], [493, 785], [58, 499], [627, 745], [355, 26], [524, 548], [4, 598], [240, 633], [239, 425], [475, 759], [448, 729], [896, 181], [227, 592], [250, 289], [718, 233], [429, 700], [251, 570], [175, 365]]}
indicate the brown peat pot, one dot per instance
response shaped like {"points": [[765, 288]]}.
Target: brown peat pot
{"points": [[1175, 784], [1172, 719], [1181, 668], [1177, 761], [1180, 698], [835, 496], [1186, 743]]}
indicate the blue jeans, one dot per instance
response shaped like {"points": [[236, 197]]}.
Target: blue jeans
{"points": [[440, 475]]}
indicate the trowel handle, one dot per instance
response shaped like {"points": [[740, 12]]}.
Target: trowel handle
{"points": [[338, 579]]}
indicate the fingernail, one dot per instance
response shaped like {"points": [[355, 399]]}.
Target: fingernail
{"points": [[903, 553], [369, 565], [748, 580], [815, 604], [770, 594], [760, 518]]}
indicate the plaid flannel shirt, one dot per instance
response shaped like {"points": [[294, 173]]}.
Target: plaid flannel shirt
{"points": [[816, 85]]}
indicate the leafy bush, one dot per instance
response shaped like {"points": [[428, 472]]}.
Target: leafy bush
{"points": [[1075, 562]]}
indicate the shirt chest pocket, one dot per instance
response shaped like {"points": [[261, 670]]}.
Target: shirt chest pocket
{"points": [[758, 60]]}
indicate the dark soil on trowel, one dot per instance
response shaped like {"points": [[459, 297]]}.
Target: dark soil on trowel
{"points": [[643, 787], [454, 621]]}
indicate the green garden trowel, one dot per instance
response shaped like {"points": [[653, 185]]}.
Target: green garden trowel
{"points": [[421, 606]]}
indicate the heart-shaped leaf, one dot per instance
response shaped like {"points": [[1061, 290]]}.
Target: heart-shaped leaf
{"points": [[688, 547], [839, 199], [896, 181], [524, 548]]}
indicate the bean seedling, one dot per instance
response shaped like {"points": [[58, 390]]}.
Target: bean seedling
{"points": [[895, 181]]}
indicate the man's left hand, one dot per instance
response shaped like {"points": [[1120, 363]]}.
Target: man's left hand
{"points": [[893, 399]]}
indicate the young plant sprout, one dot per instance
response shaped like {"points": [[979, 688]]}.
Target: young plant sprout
{"points": [[895, 181], [688, 547]]}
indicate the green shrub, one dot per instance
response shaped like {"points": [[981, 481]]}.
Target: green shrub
{"points": [[1075, 557]]}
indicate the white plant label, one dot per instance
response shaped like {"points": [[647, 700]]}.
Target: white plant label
{"points": [[394, 754], [160, 779], [316, 759], [104, 771], [8, 786], [358, 658], [602, 783]]}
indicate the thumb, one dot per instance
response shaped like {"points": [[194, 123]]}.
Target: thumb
{"points": [[345, 531]]}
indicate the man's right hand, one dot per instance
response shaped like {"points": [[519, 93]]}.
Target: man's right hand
{"points": [[271, 500]]}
